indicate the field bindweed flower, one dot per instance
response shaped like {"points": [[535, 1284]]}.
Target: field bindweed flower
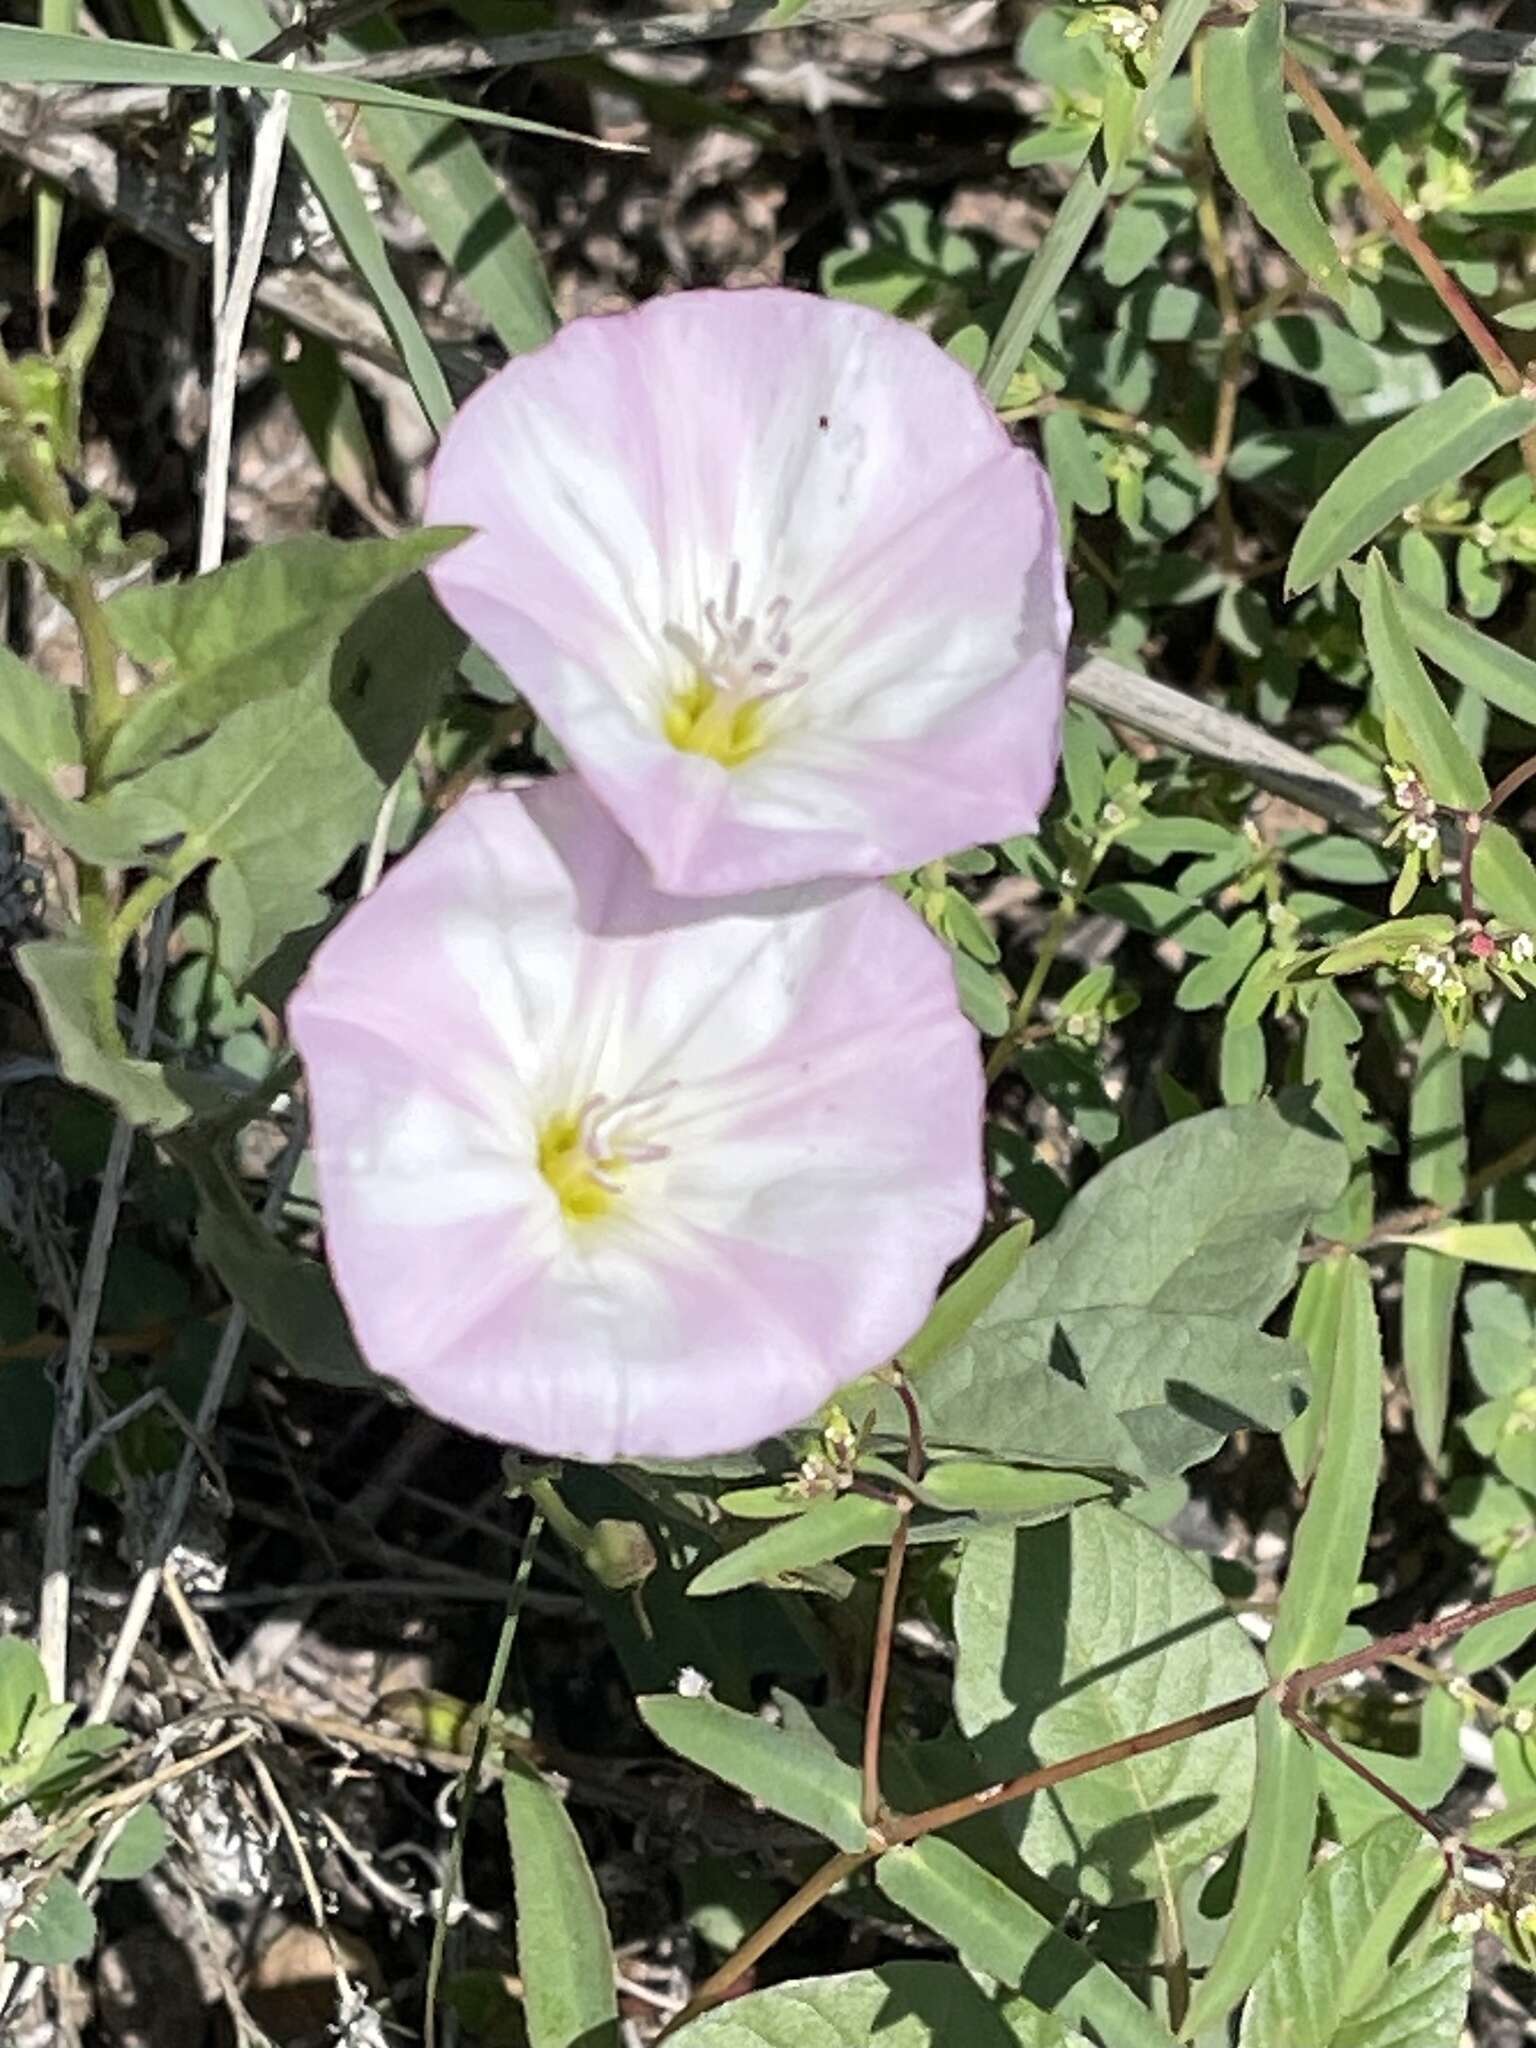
{"points": [[605, 1173], [774, 575]]}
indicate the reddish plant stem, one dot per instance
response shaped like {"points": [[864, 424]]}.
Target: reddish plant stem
{"points": [[1404, 232], [774, 1928], [932, 1818], [1517, 778]]}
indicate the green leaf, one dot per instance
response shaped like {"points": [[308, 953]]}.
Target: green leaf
{"points": [[441, 172], [70, 978], [139, 1847], [1129, 1336], [28, 56], [57, 1928], [289, 1298], [564, 1954], [1503, 877], [1076, 474], [1250, 131], [279, 796], [23, 1692], [37, 743], [1077, 1634], [1329, 1546], [996, 1931], [1509, 1246], [967, 1486], [1450, 770], [902, 2005], [1162, 913], [1495, 1641], [1213, 979], [256, 628], [1307, 345], [788, 1771], [965, 1299], [1334, 1982], [1515, 192], [828, 1529], [1498, 673], [1277, 1850], [1437, 1172], [1433, 445]]}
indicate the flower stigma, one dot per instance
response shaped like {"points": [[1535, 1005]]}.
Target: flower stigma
{"points": [[720, 710], [585, 1157]]}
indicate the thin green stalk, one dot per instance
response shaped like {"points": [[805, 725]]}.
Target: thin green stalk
{"points": [[471, 1781], [1024, 1010]]}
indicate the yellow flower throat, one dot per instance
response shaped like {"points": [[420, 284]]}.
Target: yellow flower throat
{"points": [[583, 1185], [701, 718]]}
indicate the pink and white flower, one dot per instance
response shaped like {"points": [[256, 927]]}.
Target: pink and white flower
{"points": [[608, 1174], [774, 575]]}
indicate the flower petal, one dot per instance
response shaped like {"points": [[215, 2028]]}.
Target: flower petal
{"points": [[800, 1056], [731, 450]]}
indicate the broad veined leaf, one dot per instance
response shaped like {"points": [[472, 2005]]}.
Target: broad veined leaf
{"points": [[1450, 770], [279, 796], [254, 629], [1250, 131], [1129, 1336], [1334, 1981], [1077, 1634], [785, 1769], [564, 1953], [903, 2005], [1433, 445]]}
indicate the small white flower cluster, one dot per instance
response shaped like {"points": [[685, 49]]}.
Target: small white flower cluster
{"points": [[829, 1467], [1436, 967], [1418, 820]]}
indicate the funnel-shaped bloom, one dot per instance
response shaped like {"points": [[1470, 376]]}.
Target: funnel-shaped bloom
{"points": [[609, 1174], [775, 577]]}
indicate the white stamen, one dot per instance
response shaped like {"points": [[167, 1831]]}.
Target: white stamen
{"points": [[606, 1131], [746, 655]]}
